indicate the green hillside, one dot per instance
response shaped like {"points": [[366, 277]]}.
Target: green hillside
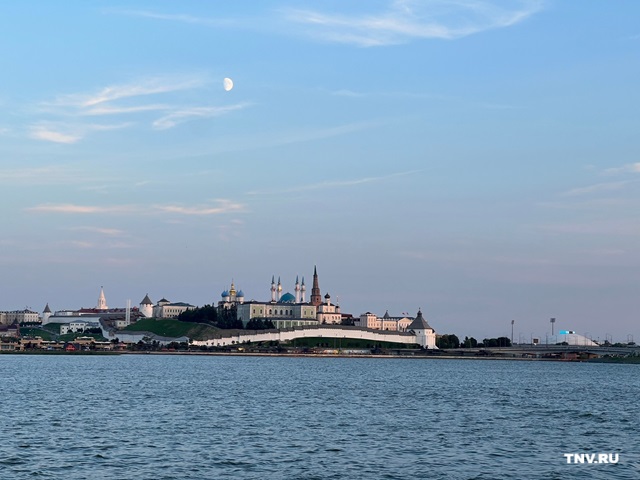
{"points": [[174, 328]]}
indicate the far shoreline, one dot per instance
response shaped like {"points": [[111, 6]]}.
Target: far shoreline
{"points": [[326, 355]]}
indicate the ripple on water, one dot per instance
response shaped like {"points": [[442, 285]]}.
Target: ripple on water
{"points": [[156, 417]]}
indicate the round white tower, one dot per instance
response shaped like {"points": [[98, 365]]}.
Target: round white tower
{"points": [[46, 313], [146, 306]]}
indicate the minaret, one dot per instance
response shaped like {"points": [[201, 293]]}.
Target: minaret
{"points": [[297, 290], [102, 302], [316, 297], [273, 289], [279, 289], [303, 292]]}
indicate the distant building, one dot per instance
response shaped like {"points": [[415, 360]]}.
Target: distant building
{"points": [[166, 309], [327, 313], [386, 322], [284, 310], [19, 316]]}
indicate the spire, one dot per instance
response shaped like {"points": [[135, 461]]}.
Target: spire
{"points": [[279, 289], [297, 290], [102, 302], [316, 297], [303, 292], [46, 309]]}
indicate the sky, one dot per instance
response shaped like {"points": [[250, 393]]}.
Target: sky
{"points": [[478, 160]]}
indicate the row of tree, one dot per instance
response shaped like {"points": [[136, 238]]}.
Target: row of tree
{"points": [[452, 341], [225, 319]]}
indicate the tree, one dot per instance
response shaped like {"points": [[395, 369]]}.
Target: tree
{"points": [[470, 342], [447, 341]]}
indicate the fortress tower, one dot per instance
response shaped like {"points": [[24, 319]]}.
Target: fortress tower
{"points": [[316, 297]]}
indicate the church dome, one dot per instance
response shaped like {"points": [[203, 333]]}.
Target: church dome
{"points": [[224, 294], [287, 298], [240, 293]]}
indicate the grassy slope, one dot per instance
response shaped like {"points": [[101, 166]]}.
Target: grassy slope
{"points": [[174, 328]]}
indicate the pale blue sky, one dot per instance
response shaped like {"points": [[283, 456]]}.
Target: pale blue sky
{"points": [[476, 159]]}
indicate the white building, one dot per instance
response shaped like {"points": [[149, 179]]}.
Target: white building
{"points": [[386, 322], [327, 313], [19, 316], [165, 309], [285, 310]]}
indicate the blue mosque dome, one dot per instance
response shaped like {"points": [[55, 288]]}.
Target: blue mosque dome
{"points": [[287, 298]]}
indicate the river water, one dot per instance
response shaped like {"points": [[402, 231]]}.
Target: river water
{"points": [[209, 417]]}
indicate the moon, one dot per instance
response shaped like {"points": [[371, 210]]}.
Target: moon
{"points": [[227, 83]]}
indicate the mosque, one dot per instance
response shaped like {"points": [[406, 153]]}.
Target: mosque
{"points": [[284, 310]]}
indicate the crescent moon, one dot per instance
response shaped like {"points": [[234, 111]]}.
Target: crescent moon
{"points": [[227, 84]]}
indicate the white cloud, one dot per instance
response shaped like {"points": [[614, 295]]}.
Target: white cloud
{"points": [[405, 20], [111, 232], [60, 132], [224, 206], [628, 168], [597, 188], [143, 87], [40, 132], [183, 115], [332, 184], [176, 17], [221, 206]]}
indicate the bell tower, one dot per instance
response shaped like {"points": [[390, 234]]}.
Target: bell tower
{"points": [[316, 297]]}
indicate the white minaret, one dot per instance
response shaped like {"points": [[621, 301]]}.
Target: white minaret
{"points": [[303, 292], [146, 306], [279, 289], [273, 289], [297, 290], [102, 302]]}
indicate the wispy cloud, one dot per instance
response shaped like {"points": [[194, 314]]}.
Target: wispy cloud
{"points": [[143, 87], [597, 188], [71, 208], [628, 168], [332, 184], [180, 116], [405, 20], [111, 232], [40, 132], [50, 175], [609, 228], [123, 100], [223, 206], [220, 206], [61, 132], [175, 17]]}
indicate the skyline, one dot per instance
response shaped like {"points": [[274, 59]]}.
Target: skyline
{"points": [[477, 160]]}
